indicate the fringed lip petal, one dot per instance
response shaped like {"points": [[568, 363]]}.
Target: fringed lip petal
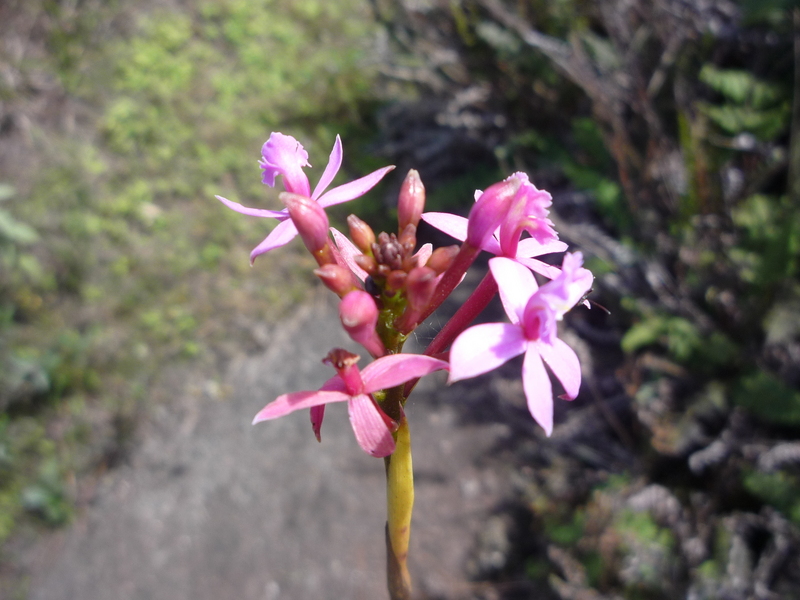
{"points": [[283, 233], [332, 168], [564, 363], [516, 285], [254, 212], [484, 347], [369, 426], [392, 370], [353, 189], [538, 390], [288, 403], [283, 155]]}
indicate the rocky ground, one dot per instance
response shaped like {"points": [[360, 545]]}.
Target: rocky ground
{"points": [[210, 507]]}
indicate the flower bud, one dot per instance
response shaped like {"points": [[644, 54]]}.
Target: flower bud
{"points": [[359, 316], [396, 280], [411, 201], [312, 225], [420, 285], [366, 262], [408, 238], [362, 235], [442, 258], [490, 209], [337, 279]]}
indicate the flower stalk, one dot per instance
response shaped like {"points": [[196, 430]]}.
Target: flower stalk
{"points": [[388, 287]]}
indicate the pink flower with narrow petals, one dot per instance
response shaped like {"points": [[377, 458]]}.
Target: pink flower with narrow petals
{"points": [[533, 312], [371, 426], [283, 155], [527, 212]]}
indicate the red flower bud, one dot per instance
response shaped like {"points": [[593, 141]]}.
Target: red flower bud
{"points": [[359, 316], [442, 258], [312, 225], [362, 235], [337, 279], [411, 201]]}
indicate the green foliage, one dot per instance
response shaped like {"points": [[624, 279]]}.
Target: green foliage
{"points": [[118, 259], [768, 398], [779, 489]]}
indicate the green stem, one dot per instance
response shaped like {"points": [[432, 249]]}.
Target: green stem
{"points": [[399, 504]]}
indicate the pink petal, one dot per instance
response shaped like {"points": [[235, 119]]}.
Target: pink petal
{"points": [[348, 252], [538, 390], [392, 370], [482, 348], [452, 225], [284, 233], [516, 285], [424, 253], [254, 212], [287, 403], [532, 247], [369, 426], [492, 246], [564, 363], [354, 189], [334, 163], [540, 267]]}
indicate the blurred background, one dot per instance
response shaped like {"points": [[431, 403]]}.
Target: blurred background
{"points": [[668, 132]]}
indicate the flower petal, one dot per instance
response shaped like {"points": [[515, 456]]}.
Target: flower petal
{"points": [[537, 266], [369, 426], [538, 390], [532, 247], [484, 347], [284, 233], [565, 364], [392, 370], [254, 212], [334, 163], [452, 225], [348, 252], [287, 403], [423, 254], [354, 189], [516, 284]]}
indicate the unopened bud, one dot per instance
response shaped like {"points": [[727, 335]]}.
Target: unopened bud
{"points": [[420, 285], [362, 235], [442, 258], [312, 225], [337, 279], [359, 316], [411, 201], [366, 262], [408, 238], [396, 280], [489, 210]]}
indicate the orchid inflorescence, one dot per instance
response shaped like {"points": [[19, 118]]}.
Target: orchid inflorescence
{"points": [[388, 287]]}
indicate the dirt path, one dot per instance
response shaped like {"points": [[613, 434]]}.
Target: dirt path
{"points": [[210, 507]]}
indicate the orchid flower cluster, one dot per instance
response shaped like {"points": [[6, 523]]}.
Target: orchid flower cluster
{"points": [[388, 287]]}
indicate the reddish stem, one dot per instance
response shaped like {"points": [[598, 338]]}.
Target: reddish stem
{"points": [[473, 306]]}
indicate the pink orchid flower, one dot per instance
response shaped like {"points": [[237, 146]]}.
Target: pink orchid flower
{"points": [[528, 212], [533, 312], [284, 155], [373, 429]]}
